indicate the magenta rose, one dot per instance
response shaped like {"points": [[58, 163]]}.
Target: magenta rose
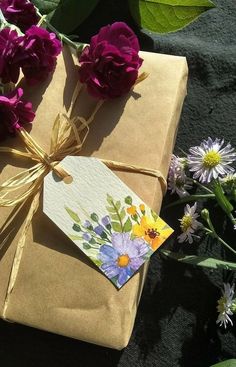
{"points": [[14, 112], [9, 60], [22, 13], [40, 49], [109, 66]]}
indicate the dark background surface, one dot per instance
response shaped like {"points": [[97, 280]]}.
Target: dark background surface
{"points": [[176, 320]]}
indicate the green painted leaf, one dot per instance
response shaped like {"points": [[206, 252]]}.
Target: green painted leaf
{"points": [[116, 226], [114, 216], [122, 214], [128, 200], [75, 238], [110, 200], [111, 209], [96, 261], [73, 215], [94, 217], [118, 205], [154, 215], [127, 225], [163, 16], [227, 363], [86, 246], [76, 227], [207, 262]]}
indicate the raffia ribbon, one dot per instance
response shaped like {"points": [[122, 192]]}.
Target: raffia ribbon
{"points": [[68, 136]]}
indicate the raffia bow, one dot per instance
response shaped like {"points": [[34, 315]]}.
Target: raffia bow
{"points": [[67, 138]]}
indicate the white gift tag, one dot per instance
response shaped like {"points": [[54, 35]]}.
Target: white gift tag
{"points": [[103, 217]]}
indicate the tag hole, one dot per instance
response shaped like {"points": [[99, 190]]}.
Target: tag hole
{"points": [[68, 180]]}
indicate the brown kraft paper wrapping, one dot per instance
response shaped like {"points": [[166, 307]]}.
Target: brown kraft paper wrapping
{"points": [[57, 288]]}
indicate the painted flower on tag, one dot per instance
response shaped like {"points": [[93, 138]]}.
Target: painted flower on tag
{"points": [[121, 241], [14, 112], [22, 13], [154, 231], [40, 49], [123, 258], [109, 66]]}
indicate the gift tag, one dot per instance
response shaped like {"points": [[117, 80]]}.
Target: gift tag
{"points": [[103, 217]]}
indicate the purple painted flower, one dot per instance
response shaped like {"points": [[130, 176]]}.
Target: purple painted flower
{"points": [[14, 112], [109, 66], [41, 49], [87, 224], [99, 230], [123, 258], [22, 13], [106, 220], [86, 237], [9, 61]]}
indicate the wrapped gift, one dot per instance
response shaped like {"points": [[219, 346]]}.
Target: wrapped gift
{"points": [[56, 287]]}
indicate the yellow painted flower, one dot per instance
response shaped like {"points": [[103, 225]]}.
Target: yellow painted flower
{"points": [[142, 207], [131, 210], [155, 232]]}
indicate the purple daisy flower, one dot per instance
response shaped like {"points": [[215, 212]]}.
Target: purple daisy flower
{"points": [[123, 258], [178, 181], [210, 160]]}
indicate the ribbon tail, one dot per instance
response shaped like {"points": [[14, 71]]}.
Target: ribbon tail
{"points": [[19, 251]]}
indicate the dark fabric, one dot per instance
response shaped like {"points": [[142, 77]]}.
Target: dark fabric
{"points": [[176, 321]]}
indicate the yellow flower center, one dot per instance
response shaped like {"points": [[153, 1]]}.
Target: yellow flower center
{"points": [[123, 260], [186, 222], [211, 159], [152, 233], [221, 304]]}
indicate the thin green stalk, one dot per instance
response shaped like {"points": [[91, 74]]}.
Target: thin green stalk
{"points": [[61, 36], [211, 230], [225, 244], [202, 186], [190, 198]]}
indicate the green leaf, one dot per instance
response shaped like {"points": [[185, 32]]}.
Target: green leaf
{"points": [[163, 16], [221, 198], [116, 226], [128, 200], [122, 214], [207, 262], [75, 238], [76, 227], [114, 217], [118, 205], [227, 363], [46, 6], [94, 217], [86, 246], [73, 215], [128, 225], [71, 13], [111, 209], [110, 200]]}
